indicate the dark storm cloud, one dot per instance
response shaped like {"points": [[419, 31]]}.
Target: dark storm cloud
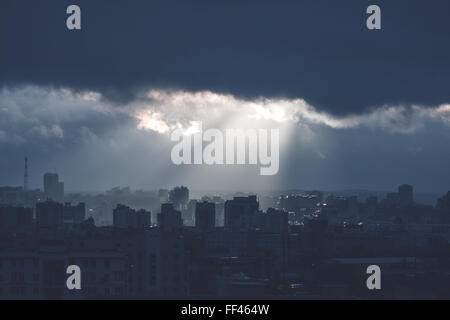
{"points": [[316, 50]]}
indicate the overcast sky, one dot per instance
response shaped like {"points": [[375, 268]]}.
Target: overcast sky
{"points": [[356, 108]]}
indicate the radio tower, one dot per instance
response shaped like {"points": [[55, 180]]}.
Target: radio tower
{"points": [[25, 175]]}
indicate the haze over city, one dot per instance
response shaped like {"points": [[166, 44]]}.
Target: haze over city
{"points": [[224, 150]]}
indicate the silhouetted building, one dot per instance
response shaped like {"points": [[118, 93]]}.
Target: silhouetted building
{"points": [[188, 215], [220, 208], [156, 260], [230, 243], [126, 217], [240, 212], [39, 272], [220, 213], [443, 203], [275, 221], [53, 188], [405, 195], [50, 214], [370, 207], [169, 218], [15, 219], [74, 213], [179, 196], [17, 196], [205, 216]]}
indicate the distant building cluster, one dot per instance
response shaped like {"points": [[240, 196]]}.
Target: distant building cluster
{"points": [[309, 244]]}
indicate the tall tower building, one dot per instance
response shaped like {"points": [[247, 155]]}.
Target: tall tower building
{"points": [[240, 212], [53, 188], [205, 216], [179, 197], [169, 218], [25, 175], [405, 195]]}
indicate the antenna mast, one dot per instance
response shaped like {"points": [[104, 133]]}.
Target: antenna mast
{"points": [[25, 175]]}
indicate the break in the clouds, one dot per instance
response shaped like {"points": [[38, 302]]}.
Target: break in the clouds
{"points": [[82, 134], [39, 113], [162, 111]]}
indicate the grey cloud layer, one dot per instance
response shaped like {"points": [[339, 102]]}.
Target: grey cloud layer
{"points": [[95, 144], [162, 111], [41, 113]]}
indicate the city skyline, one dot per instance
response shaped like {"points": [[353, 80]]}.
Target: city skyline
{"points": [[301, 246], [229, 150], [356, 108], [41, 185]]}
